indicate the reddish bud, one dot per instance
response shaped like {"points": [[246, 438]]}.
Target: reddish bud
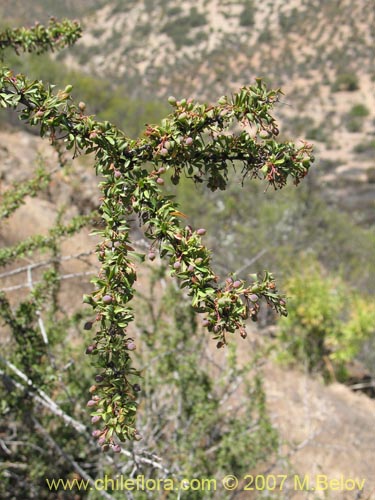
{"points": [[117, 174], [163, 151], [177, 265], [201, 231], [107, 299], [96, 433], [237, 284], [205, 322], [92, 388], [91, 403], [160, 181], [189, 141], [95, 419], [131, 346], [90, 349], [116, 448], [253, 297], [151, 256], [161, 170]]}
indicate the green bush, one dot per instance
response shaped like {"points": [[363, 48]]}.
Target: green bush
{"points": [[327, 323], [346, 82], [359, 111], [247, 14]]}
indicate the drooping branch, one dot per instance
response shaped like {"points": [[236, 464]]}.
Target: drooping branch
{"points": [[197, 140]]}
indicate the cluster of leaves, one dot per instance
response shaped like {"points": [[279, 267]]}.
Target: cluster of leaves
{"points": [[39, 39], [196, 140]]}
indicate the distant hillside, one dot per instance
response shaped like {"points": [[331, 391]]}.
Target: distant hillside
{"points": [[319, 51]]}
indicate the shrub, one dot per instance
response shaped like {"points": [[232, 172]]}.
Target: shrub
{"points": [[247, 14], [327, 323], [346, 82], [132, 174]]}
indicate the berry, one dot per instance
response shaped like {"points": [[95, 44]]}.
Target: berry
{"points": [[99, 378], [177, 265], [90, 349], [87, 325], [136, 387]]}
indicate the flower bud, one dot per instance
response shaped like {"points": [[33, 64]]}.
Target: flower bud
{"points": [[160, 181], [90, 349], [201, 231], [237, 284], [151, 256], [91, 403], [131, 346], [107, 299], [95, 419]]}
